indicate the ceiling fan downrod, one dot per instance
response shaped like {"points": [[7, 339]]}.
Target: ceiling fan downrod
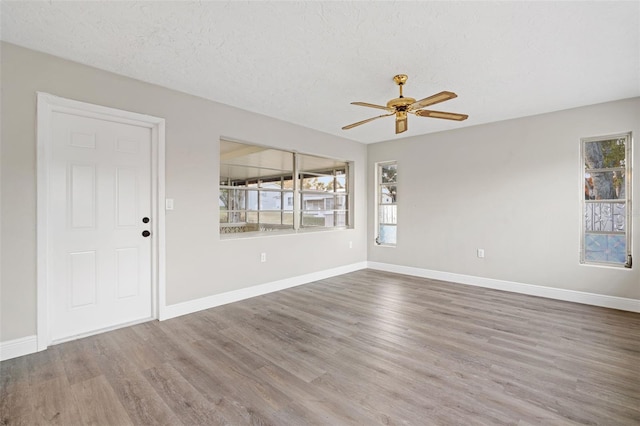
{"points": [[400, 80]]}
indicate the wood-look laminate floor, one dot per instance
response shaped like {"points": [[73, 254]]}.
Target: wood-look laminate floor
{"points": [[364, 348]]}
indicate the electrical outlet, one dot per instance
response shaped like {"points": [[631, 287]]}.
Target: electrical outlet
{"points": [[263, 257], [481, 253]]}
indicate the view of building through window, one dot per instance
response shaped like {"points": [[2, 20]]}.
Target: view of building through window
{"points": [[266, 189], [324, 197], [606, 235]]}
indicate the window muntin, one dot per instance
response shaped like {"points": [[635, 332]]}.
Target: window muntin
{"points": [[264, 189], [606, 206], [254, 204], [386, 203]]}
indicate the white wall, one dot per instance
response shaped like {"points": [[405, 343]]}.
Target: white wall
{"points": [[198, 264], [512, 188]]}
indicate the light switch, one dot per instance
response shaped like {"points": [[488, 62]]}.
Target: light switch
{"points": [[169, 203]]}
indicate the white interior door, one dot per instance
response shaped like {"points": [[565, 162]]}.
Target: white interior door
{"points": [[99, 263]]}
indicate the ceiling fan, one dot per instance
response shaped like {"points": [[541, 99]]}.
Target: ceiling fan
{"points": [[402, 106]]}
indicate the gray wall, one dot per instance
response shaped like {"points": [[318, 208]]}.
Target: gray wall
{"points": [[198, 264], [512, 188]]}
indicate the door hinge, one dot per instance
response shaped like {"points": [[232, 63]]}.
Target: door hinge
{"points": [[629, 262]]}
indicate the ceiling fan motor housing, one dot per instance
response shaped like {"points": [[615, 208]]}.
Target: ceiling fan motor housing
{"points": [[400, 104]]}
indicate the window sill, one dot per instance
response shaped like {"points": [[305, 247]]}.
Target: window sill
{"points": [[607, 266], [279, 233]]}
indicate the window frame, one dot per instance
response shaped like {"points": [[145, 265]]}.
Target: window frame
{"points": [[628, 170], [378, 202], [295, 194], [334, 195]]}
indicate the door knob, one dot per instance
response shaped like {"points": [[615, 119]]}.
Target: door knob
{"points": [[146, 233], [145, 220]]}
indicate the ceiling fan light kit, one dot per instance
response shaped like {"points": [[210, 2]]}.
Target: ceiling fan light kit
{"points": [[401, 106]]}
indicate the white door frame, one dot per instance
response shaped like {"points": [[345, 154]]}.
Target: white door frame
{"points": [[47, 105]]}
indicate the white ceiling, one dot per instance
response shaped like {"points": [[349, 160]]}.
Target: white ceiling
{"points": [[304, 62]]}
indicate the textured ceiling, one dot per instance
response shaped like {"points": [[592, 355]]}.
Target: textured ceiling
{"points": [[304, 62]]}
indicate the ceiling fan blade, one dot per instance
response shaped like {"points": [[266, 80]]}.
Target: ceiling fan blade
{"points": [[441, 114], [401, 123], [351, 126], [434, 99], [365, 104]]}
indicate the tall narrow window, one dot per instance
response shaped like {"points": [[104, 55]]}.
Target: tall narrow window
{"points": [[386, 198], [606, 218]]}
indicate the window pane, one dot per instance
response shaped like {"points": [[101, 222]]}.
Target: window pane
{"points": [[287, 218], [235, 199], [605, 154], [609, 248], [340, 202], [272, 184], [273, 218], [388, 214], [388, 173], [605, 217], [270, 200], [607, 185], [223, 199], [237, 217], [340, 218], [319, 218], [252, 200], [317, 201], [387, 234], [252, 217], [341, 183], [328, 203], [224, 216], [317, 183], [288, 200], [388, 194], [287, 182], [231, 199]]}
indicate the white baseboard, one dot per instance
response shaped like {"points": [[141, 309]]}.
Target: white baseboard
{"points": [[622, 303], [18, 347], [27, 345], [172, 311]]}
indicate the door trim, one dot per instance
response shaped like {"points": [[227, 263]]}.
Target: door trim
{"points": [[47, 104]]}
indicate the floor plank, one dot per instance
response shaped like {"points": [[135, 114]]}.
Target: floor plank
{"points": [[54, 403], [98, 403]]}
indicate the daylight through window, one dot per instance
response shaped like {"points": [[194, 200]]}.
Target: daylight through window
{"points": [[386, 207], [266, 189], [606, 218]]}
